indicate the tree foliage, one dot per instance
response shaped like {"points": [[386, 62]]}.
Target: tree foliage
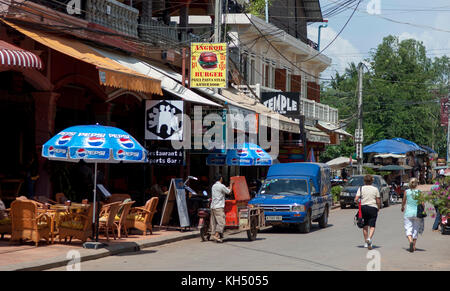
{"points": [[400, 94]]}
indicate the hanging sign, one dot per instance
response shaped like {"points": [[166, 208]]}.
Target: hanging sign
{"points": [[163, 120], [208, 65]]}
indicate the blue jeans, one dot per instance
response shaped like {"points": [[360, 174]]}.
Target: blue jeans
{"points": [[437, 220]]}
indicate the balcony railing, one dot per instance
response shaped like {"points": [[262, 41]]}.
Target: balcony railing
{"points": [[159, 33], [310, 108], [114, 15]]}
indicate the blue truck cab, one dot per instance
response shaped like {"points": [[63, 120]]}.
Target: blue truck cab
{"points": [[296, 194]]}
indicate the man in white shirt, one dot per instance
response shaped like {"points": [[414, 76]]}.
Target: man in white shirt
{"points": [[219, 191]]}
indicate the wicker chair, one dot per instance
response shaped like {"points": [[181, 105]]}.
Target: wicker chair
{"points": [[118, 198], [141, 217], [27, 223], [120, 222], [108, 215], [5, 225], [76, 225]]}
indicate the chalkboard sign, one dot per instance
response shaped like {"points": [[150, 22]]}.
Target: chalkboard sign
{"points": [[177, 194]]}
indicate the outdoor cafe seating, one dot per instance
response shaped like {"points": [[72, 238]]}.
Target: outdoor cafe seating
{"points": [[28, 223], [141, 217], [33, 220]]}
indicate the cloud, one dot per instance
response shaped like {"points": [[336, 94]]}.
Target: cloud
{"points": [[341, 51], [434, 41]]}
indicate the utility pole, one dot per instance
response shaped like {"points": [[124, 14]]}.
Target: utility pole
{"points": [[217, 21], [359, 134]]}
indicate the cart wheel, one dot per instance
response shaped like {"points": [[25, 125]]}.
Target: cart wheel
{"points": [[253, 231], [204, 234]]}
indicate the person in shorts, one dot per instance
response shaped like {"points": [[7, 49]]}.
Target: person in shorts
{"points": [[370, 203]]}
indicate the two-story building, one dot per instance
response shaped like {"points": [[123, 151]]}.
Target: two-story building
{"points": [[274, 54]]}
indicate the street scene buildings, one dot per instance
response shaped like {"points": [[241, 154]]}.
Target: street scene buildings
{"points": [[119, 115]]}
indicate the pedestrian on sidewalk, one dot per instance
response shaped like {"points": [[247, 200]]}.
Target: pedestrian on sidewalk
{"points": [[217, 220], [370, 203], [413, 224]]}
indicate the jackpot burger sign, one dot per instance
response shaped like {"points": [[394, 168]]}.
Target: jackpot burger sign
{"points": [[208, 65]]}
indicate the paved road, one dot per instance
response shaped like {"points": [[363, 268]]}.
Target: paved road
{"points": [[337, 247]]}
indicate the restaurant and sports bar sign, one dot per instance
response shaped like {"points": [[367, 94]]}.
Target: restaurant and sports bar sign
{"points": [[208, 65]]}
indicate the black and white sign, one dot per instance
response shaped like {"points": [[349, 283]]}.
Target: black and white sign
{"points": [[166, 157], [163, 120], [285, 103]]}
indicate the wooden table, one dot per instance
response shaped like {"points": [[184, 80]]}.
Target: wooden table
{"points": [[55, 211]]}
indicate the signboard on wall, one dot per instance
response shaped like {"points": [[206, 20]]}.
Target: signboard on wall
{"points": [[163, 120], [208, 65], [285, 103], [166, 157]]}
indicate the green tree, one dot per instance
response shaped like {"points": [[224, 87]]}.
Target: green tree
{"points": [[399, 94]]}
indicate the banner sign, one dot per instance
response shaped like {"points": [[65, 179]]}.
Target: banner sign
{"points": [[166, 157], [163, 120], [208, 65], [285, 103]]}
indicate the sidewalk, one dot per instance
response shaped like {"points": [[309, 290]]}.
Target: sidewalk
{"points": [[22, 257], [26, 257]]}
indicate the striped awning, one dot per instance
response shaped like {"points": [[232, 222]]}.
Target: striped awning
{"points": [[10, 55]]}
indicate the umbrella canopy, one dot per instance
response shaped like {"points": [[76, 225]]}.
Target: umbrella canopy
{"points": [[94, 144], [339, 163], [247, 154], [387, 146], [410, 143]]}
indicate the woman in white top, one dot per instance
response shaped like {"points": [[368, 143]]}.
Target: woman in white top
{"points": [[370, 203]]}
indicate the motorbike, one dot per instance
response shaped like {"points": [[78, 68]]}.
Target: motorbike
{"points": [[204, 214], [394, 197]]}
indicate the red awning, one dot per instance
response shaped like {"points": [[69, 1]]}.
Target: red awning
{"points": [[11, 55]]}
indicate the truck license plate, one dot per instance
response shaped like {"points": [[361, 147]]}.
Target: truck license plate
{"points": [[274, 218]]}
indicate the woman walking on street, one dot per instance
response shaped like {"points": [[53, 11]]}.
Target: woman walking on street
{"points": [[413, 224], [370, 203]]}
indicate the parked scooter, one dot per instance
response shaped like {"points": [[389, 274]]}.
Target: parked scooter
{"points": [[204, 219]]}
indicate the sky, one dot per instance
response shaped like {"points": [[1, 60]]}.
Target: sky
{"points": [[429, 22]]}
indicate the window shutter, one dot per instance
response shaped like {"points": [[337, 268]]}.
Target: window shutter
{"points": [[296, 83], [280, 79]]}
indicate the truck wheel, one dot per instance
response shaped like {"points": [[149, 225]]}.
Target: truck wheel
{"points": [[305, 227], [253, 231], [323, 221], [343, 206], [204, 234]]}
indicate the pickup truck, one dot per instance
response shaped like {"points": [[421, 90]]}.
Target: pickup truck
{"points": [[296, 194]]}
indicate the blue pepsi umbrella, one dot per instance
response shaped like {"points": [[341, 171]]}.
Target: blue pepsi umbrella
{"points": [[94, 144], [247, 154]]}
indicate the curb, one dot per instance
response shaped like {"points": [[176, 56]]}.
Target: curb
{"points": [[91, 254]]}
